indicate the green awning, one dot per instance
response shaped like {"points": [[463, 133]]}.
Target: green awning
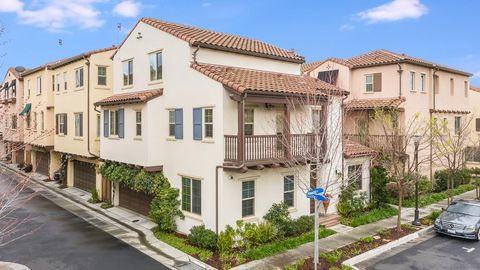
{"points": [[26, 109]]}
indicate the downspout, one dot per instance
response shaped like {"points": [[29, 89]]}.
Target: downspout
{"points": [[238, 167], [343, 146], [431, 119], [400, 71], [88, 107]]}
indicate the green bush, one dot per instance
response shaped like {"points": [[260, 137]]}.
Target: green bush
{"points": [[303, 224], [350, 202], [369, 216], [332, 257], [425, 186], [428, 199], [279, 217], [226, 241], [106, 205], [181, 244], [164, 208], [277, 214], [378, 185], [460, 177], [366, 239], [204, 238], [94, 196], [258, 234]]}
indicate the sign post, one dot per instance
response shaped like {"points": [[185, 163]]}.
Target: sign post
{"points": [[316, 194]]}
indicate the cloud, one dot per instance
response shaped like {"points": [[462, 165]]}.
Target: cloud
{"points": [[476, 74], [10, 5], [346, 27], [394, 11], [56, 15], [127, 8]]}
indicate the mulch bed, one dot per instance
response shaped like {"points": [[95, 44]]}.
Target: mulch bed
{"points": [[356, 248]]}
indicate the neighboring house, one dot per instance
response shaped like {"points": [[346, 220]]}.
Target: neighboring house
{"points": [[472, 154], [11, 98], [207, 109], [383, 79], [39, 119], [78, 82]]}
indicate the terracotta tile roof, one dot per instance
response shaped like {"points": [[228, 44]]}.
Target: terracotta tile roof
{"points": [[384, 57], [372, 103], [220, 41], [475, 88], [308, 67], [449, 111], [353, 149], [242, 80], [129, 98]]}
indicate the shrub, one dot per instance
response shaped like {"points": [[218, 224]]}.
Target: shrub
{"points": [[28, 168], [366, 239], [257, 234], [277, 214], [106, 205], [350, 202], [384, 232], [204, 238], [378, 186], [226, 241], [425, 186], [94, 196], [164, 208], [303, 224], [460, 177], [370, 216], [332, 257]]}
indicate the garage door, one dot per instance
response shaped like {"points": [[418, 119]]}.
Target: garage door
{"points": [[83, 175], [135, 201], [42, 160]]}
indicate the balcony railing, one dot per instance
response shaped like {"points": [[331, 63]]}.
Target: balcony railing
{"points": [[380, 142], [271, 148]]}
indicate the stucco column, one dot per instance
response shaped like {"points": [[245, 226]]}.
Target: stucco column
{"points": [[70, 173]]}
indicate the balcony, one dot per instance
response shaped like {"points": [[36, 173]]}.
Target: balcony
{"points": [[380, 142], [262, 150]]}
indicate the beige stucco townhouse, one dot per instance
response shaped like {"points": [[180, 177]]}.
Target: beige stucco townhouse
{"points": [[384, 79], [207, 109], [78, 82], [473, 152], [11, 100]]}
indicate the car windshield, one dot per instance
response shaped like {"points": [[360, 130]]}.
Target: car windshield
{"points": [[462, 208]]}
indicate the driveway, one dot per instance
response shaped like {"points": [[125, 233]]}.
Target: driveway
{"points": [[61, 240], [430, 252]]}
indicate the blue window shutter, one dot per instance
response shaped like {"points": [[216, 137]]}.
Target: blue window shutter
{"points": [[106, 117], [197, 123], [178, 123], [121, 123]]}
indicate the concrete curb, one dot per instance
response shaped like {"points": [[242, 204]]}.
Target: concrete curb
{"points": [[384, 248], [143, 235]]}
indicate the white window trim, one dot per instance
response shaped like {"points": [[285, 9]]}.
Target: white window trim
{"points": [[186, 212], [245, 121], [423, 82], [169, 136], [38, 85], [75, 124], [130, 85], [156, 81], [411, 81], [294, 191], [61, 124], [250, 217], [136, 123], [365, 84], [57, 83], [106, 76], [77, 87], [204, 123]]}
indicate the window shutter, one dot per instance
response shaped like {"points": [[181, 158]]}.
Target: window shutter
{"points": [[81, 125], [178, 123], [56, 124], [377, 82], [477, 124], [121, 123], [197, 124], [65, 125], [106, 117]]}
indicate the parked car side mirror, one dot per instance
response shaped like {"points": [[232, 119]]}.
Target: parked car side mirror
{"points": [[443, 208]]}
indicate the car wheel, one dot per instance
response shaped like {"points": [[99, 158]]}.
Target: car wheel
{"points": [[478, 235]]}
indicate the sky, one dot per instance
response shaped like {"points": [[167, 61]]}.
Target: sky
{"points": [[443, 31]]}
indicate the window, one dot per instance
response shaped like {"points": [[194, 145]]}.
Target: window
{"points": [[208, 124], [102, 76], [422, 82], [62, 123], [27, 121], [248, 198], [155, 66], [53, 83], [98, 125], [249, 119], [457, 125], [39, 85], [138, 124], [465, 88], [411, 81], [79, 77], [14, 88], [78, 124], [42, 121], [316, 119], [171, 123], [192, 195], [14, 121], [477, 124], [355, 175], [57, 82], [436, 84], [369, 83], [452, 86], [127, 72], [28, 88], [65, 81], [113, 123], [288, 190], [35, 121]]}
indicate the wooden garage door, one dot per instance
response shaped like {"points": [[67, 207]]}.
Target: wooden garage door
{"points": [[135, 201], [42, 160], [83, 175]]}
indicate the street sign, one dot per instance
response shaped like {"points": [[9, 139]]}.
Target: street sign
{"points": [[319, 198], [316, 194]]}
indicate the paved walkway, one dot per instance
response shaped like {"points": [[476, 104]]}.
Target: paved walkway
{"points": [[128, 226], [345, 235]]}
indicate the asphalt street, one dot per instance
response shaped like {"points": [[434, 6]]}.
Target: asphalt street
{"points": [[52, 238], [433, 252]]}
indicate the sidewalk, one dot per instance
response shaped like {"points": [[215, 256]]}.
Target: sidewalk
{"points": [[345, 235], [126, 225]]}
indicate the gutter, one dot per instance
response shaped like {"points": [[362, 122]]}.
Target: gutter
{"points": [[400, 71], [431, 119]]}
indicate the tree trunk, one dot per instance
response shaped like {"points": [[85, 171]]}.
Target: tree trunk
{"points": [[400, 202]]}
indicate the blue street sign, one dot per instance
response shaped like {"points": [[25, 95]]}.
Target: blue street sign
{"points": [[315, 192], [319, 198]]}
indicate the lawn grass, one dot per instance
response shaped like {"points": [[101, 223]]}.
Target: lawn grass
{"points": [[181, 244], [432, 198], [371, 216]]}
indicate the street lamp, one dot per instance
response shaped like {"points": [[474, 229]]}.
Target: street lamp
{"points": [[416, 143]]}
